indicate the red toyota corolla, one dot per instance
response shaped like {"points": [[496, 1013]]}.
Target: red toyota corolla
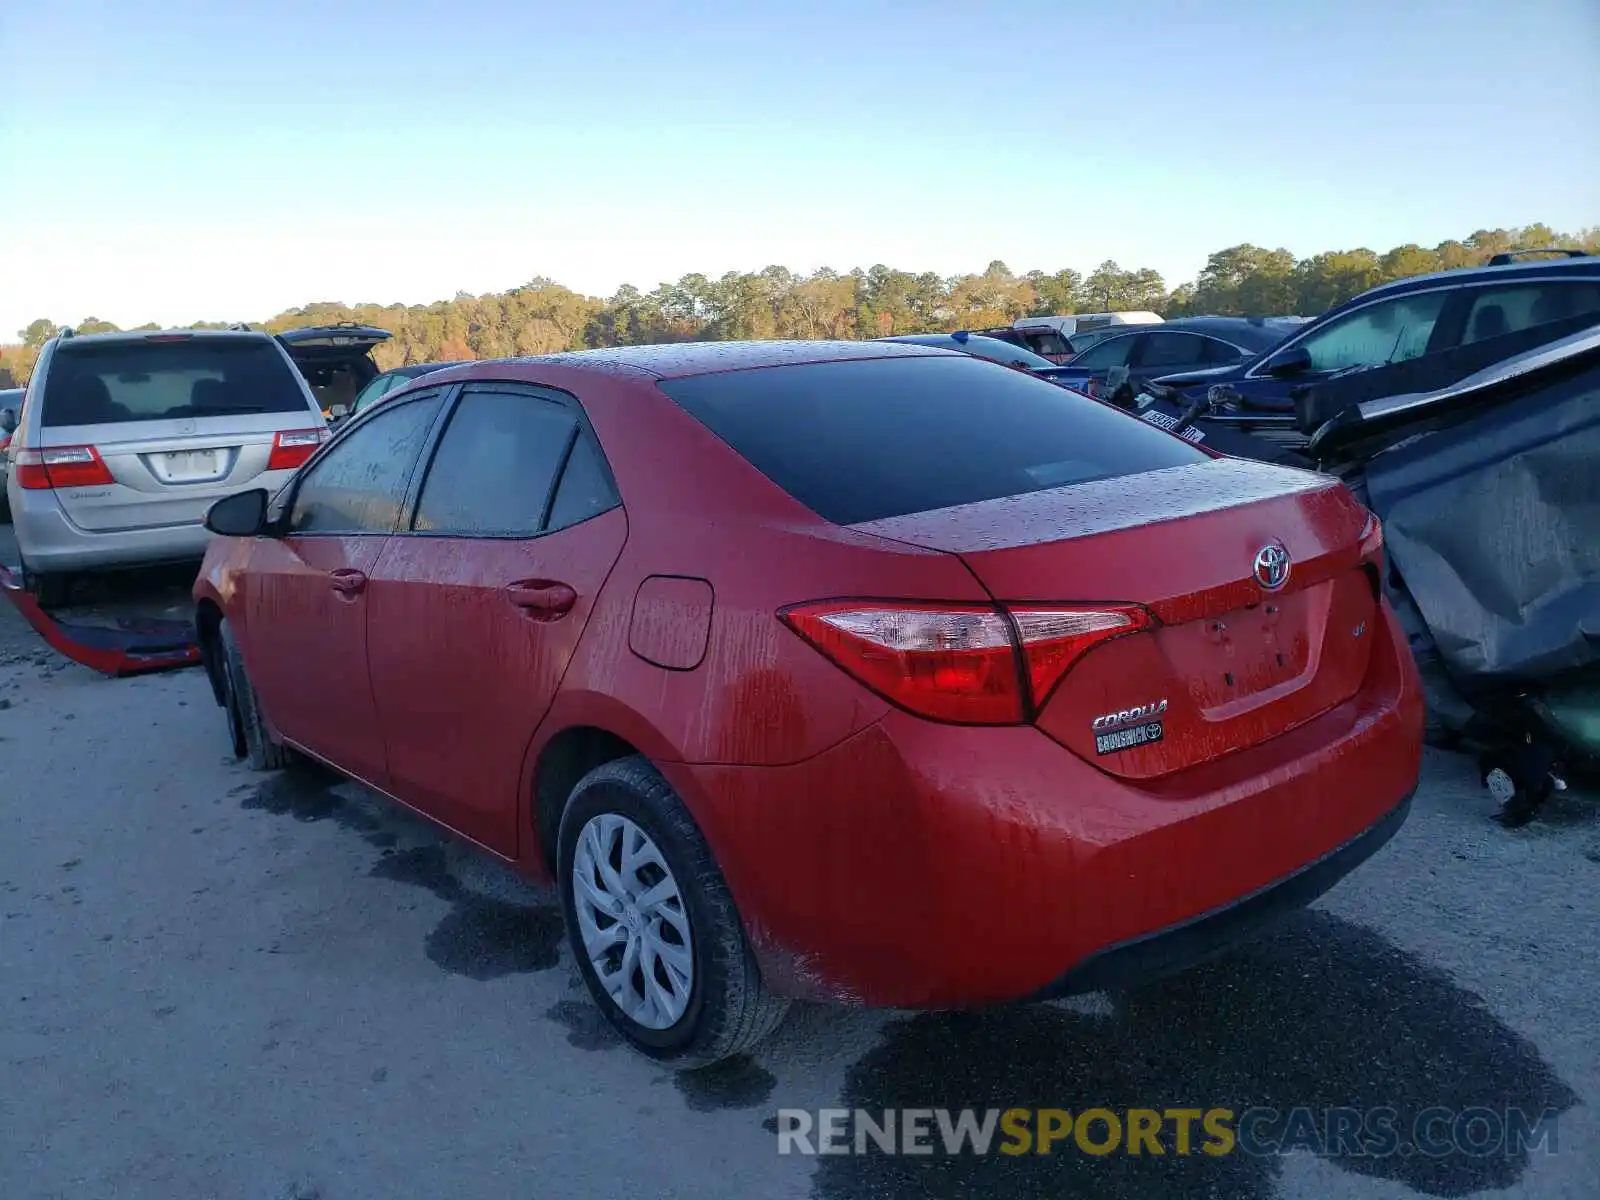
{"points": [[861, 672]]}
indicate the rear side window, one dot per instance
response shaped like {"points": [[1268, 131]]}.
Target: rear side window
{"points": [[585, 489], [858, 441], [1171, 350], [1218, 352], [115, 382], [1499, 311], [495, 466]]}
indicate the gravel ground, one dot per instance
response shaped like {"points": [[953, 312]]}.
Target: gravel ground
{"points": [[215, 983]]}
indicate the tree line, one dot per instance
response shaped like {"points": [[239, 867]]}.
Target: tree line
{"points": [[542, 316]]}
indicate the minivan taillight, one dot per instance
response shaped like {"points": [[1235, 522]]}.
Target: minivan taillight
{"points": [[964, 664], [292, 447], [61, 467]]}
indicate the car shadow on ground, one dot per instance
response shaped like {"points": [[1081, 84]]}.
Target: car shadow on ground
{"points": [[1321, 1015]]}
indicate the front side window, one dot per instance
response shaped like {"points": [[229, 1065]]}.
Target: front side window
{"points": [[1389, 331], [359, 484], [1113, 352], [495, 466]]}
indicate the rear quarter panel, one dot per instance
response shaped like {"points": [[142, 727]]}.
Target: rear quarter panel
{"points": [[760, 696]]}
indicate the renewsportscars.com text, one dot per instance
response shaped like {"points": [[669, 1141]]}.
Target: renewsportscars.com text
{"points": [[1343, 1132]]}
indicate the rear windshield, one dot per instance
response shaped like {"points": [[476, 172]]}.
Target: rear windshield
{"points": [[858, 441], [113, 382]]}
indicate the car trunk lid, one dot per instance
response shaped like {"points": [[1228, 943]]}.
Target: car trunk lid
{"points": [[336, 360], [1229, 661]]}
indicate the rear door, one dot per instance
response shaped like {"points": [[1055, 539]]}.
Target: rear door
{"points": [[179, 420], [306, 591], [476, 609]]}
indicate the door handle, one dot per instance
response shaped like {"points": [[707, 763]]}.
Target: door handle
{"points": [[542, 598], [347, 582]]}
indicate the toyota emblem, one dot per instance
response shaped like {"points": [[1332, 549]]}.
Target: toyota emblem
{"points": [[1272, 566]]}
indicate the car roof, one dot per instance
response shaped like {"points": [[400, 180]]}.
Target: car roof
{"points": [[1250, 332], [415, 369], [1588, 264], [140, 335], [674, 360]]}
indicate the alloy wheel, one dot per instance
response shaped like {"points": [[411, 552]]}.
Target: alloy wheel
{"points": [[633, 922]]}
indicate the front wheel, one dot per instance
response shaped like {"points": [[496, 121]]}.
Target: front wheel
{"points": [[652, 924]]}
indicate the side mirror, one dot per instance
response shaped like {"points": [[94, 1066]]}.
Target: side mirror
{"points": [[8, 420], [241, 515], [339, 412], [1294, 361]]}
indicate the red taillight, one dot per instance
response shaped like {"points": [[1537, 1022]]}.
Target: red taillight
{"points": [[291, 448], [965, 664], [61, 467]]}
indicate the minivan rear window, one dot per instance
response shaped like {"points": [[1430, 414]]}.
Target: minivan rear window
{"points": [[872, 438], [115, 382]]}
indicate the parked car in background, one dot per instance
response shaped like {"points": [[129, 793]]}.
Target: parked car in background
{"points": [[10, 410], [336, 361], [126, 439], [1052, 336], [1186, 344], [398, 377], [764, 652], [1527, 303], [1006, 353], [980, 345]]}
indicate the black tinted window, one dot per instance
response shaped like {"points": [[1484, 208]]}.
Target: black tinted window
{"points": [[585, 488], [1219, 352], [1113, 352], [112, 382], [1172, 350], [359, 485], [856, 441], [495, 466]]}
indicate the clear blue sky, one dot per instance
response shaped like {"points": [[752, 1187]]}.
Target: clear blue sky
{"points": [[181, 160]]}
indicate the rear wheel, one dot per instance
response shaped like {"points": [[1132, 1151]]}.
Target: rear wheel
{"points": [[50, 591], [652, 924], [245, 726]]}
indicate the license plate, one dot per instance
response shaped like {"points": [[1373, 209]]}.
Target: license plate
{"points": [[191, 464], [1127, 739]]}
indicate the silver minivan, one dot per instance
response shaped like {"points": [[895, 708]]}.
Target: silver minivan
{"points": [[125, 440]]}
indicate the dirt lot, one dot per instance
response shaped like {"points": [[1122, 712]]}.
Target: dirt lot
{"points": [[215, 983]]}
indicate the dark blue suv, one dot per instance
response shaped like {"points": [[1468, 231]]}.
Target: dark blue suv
{"points": [[1428, 314]]}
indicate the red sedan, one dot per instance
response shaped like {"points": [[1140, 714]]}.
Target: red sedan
{"points": [[854, 671]]}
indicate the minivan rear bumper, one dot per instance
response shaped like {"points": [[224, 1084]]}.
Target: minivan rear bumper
{"points": [[51, 543]]}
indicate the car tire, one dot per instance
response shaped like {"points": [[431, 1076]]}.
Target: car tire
{"points": [[48, 591], [723, 1007], [264, 753]]}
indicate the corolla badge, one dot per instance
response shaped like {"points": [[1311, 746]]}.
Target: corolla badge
{"points": [[1272, 566], [1128, 716]]}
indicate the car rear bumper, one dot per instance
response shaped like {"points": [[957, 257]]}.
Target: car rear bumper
{"points": [[922, 865], [50, 542], [1189, 943]]}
